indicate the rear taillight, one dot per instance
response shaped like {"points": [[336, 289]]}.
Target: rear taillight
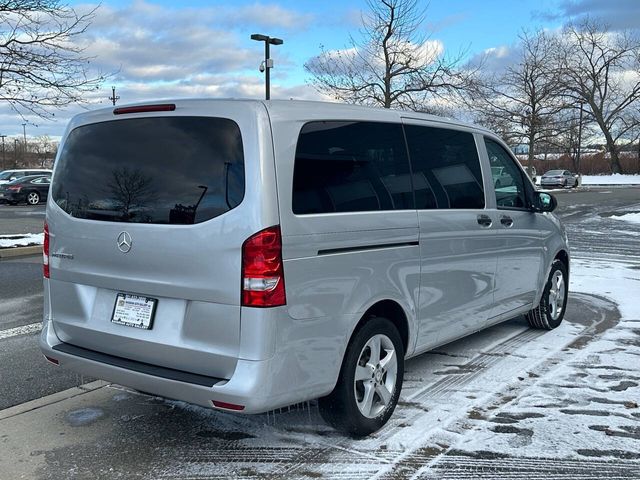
{"points": [[262, 270], [45, 252], [14, 188]]}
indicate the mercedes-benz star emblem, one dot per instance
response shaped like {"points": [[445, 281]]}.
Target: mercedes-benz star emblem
{"points": [[124, 242]]}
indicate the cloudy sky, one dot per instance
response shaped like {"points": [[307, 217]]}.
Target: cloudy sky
{"points": [[157, 49]]}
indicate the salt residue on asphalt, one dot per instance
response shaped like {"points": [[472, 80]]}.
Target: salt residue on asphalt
{"points": [[21, 240]]}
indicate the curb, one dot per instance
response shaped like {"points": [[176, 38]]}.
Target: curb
{"points": [[51, 399], [12, 252]]}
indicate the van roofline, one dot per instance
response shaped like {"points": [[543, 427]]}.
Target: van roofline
{"points": [[281, 106]]}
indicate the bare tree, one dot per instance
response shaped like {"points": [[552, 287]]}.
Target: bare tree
{"points": [[601, 70], [526, 98], [394, 65], [130, 189], [41, 66], [45, 149]]}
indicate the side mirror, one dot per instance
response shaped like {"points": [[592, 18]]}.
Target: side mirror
{"points": [[544, 202]]}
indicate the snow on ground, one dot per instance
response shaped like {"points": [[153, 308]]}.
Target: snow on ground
{"points": [[628, 217], [616, 179], [586, 406], [21, 240]]}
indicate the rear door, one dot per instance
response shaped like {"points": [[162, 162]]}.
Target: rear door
{"points": [[458, 246], [156, 206]]}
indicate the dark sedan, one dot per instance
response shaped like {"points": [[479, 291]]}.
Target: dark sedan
{"points": [[31, 190]]}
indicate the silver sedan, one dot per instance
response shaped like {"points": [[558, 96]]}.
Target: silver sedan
{"points": [[559, 178]]}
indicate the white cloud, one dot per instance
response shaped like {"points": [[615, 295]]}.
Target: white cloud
{"points": [[154, 51]]}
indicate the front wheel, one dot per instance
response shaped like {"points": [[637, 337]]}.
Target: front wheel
{"points": [[550, 312], [370, 380], [33, 198]]}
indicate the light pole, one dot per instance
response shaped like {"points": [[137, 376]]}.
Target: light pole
{"points": [[15, 153], [4, 160], [268, 63], [114, 98]]}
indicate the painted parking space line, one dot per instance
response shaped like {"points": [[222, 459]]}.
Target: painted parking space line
{"points": [[23, 330]]}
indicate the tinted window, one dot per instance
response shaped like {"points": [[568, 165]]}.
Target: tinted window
{"points": [[508, 180], [178, 170], [351, 167], [446, 168]]}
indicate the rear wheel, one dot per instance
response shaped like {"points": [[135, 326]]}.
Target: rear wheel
{"points": [[550, 312], [498, 185], [33, 198], [370, 380]]}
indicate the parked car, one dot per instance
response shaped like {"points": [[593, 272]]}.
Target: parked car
{"points": [[7, 176], [31, 190], [246, 255], [500, 177], [559, 178]]}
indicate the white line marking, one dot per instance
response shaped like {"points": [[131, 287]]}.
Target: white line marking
{"points": [[24, 330]]}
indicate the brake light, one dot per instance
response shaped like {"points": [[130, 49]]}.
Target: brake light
{"points": [[45, 252], [14, 188], [163, 107], [262, 269]]}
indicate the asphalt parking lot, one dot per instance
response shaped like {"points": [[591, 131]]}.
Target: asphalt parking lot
{"points": [[21, 218]]}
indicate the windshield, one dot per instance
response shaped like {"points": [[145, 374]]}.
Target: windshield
{"points": [[176, 170], [555, 172], [5, 175]]}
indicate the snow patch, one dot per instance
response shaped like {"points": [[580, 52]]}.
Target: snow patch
{"points": [[22, 240]]}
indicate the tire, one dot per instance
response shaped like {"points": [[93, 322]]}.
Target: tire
{"points": [[346, 408], [33, 198], [575, 184], [498, 184], [550, 312]]}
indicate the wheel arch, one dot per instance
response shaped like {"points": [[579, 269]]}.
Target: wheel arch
{"points": [[392, 311]]}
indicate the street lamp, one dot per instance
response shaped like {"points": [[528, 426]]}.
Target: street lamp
{"points": [[268, 62], [4, 160]]}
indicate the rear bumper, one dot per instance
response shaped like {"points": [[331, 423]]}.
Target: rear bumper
{"points": [[252, 384]]}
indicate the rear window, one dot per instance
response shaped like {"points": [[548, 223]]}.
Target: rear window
{"points": [[167, 170]]}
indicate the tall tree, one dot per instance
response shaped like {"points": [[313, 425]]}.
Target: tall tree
{"points": [[602, 70], [526, 97], [394, 64], [42, 68]]}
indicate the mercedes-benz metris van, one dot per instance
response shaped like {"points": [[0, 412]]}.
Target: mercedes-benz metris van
{"points": [[246, 255]]}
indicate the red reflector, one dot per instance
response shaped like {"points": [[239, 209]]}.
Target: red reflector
{"points": [[163, 107], [45, 252], [227, 406], [262, 270], [52, 360]]}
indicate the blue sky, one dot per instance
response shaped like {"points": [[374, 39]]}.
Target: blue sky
{"points": [[161, 49]]}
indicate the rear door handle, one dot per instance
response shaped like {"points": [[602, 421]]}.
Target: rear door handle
{"points": [[506, 221], [484, 221]]}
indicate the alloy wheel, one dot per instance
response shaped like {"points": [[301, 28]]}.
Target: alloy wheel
{"points": [[375, 377]]}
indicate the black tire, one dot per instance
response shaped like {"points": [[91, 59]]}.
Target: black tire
{"points": [[498, 185], [32, 198], [548, 314], [340, 408], [575, 184]]}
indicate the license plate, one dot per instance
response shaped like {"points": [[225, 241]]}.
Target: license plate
{"points": [[134, 310]]}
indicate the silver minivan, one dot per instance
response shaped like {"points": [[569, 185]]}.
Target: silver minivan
{"points": [[247, 255]]}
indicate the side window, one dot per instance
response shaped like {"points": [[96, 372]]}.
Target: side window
{"points": [[351, 167], [507, 178], [446, 168]]}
